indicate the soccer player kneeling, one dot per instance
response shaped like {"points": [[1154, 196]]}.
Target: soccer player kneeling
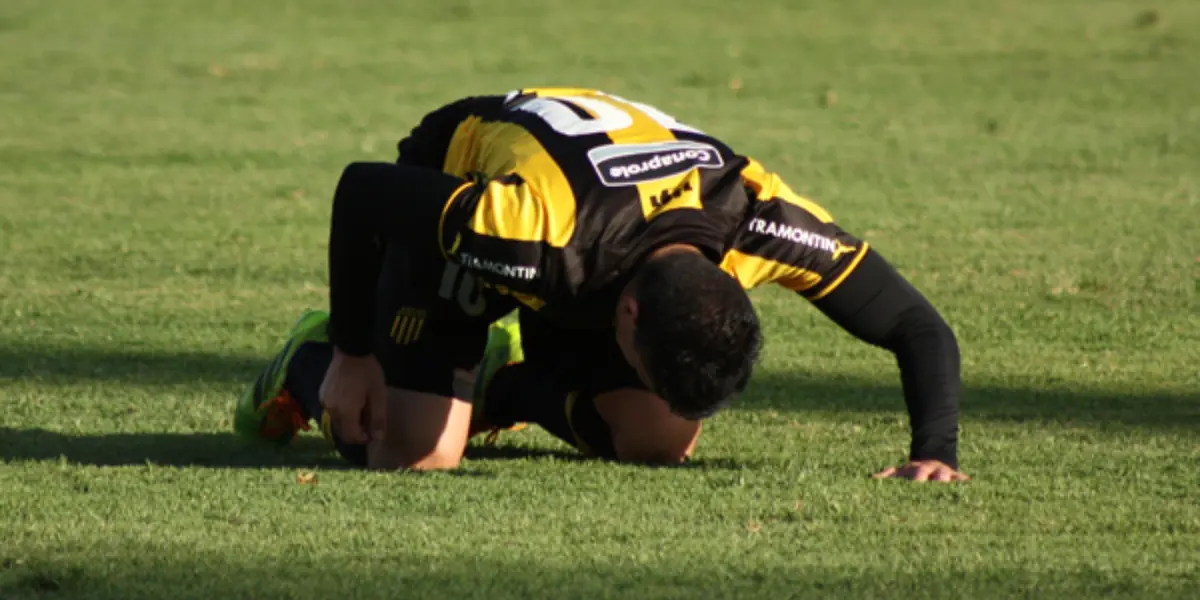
{"points": [[626, 241]]}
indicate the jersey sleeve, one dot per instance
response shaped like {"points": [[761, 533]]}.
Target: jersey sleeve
{"points": [[427, 144], [503, 231], [789, 240]]}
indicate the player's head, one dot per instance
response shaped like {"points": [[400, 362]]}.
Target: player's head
{"points": [[690, 331]]}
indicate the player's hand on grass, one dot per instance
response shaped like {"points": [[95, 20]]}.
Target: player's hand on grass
{"points": [[354, 395], [923, 470]]}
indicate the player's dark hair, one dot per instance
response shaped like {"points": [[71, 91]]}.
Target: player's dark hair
{"points": [[696, 332]]}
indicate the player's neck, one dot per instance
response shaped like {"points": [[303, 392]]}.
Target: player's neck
{"points": [[672, 249], [668, 250]]}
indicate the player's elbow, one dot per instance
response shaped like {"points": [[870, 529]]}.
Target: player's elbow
{"points": [[353, 190], [358, 178], [940, 332], [922, 325]]}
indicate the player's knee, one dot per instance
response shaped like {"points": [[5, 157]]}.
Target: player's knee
{"points": [[426, 432], [431, 462], [437, 459], [653, 456], [663, 459], [644, 430], [419, 450]]}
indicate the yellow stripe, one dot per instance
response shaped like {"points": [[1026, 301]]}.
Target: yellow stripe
{"points": [[402, 336], [862, 252], [552, 92], [517, 213], [542, 210], [752, 271], [420, 324], [529, 300], [442, 222], [570, 408], [768, 186], [462, 154]]}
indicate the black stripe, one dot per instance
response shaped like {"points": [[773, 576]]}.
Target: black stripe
{"points": [[726, 152], [427, 144], [568, 152], [772, 247], [578, 110], [260, 389], [501, 252]]}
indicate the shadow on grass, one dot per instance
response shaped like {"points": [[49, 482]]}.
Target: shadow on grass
{"points": [[796, 391], [219, 450], [216, 450], [789, 393], [799, 392], [165, 449], [168, 571], [75, 364]]}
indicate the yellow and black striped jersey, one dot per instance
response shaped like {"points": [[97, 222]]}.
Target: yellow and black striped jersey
{"points": [[788, 239], [571, 188]]}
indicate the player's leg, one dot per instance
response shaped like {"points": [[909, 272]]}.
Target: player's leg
{"points": [[423, 428], [643, 427], [432, 321], [503, 348], [307, 357], [577, 386]]}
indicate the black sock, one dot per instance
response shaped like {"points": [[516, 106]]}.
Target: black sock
{"points": [[518, 394], [305, 374], [591, 430]]}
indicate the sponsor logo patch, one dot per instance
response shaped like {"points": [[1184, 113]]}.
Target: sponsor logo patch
{"points": [[507, 271], [630, 164], [800, 236]]}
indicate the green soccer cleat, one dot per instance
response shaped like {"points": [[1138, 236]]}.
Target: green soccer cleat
{"points": [[503, 348], [267, 411]]}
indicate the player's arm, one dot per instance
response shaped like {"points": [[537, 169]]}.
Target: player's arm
{"points": [[877, 305], [376, 204], [795, 242]]}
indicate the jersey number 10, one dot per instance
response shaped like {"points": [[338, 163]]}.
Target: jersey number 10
{"points": [[612, 114]]}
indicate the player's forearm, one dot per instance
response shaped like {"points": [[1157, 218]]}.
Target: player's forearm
{"points": [[927, 354], [377, 204], [355, 258], [878, 306]]}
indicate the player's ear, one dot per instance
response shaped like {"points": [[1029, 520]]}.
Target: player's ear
{"points": [[625, 317], [627, 307]]}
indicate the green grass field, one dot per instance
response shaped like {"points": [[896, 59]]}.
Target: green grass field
{"points": [[1033, 166]]}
